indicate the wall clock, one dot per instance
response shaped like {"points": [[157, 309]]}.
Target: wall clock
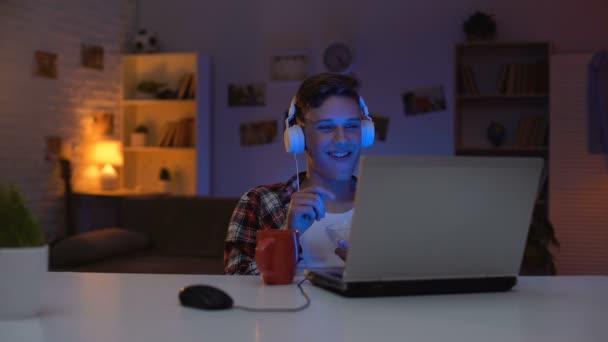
{"points": [[338, 58]]}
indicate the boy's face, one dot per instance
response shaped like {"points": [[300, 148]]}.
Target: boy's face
{"points": [[333, 138]]}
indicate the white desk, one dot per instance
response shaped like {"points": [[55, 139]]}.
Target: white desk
{"points": [[132, 307]]}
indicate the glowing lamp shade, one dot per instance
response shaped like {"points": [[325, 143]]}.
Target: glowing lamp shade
{"points": [[108, 154]]}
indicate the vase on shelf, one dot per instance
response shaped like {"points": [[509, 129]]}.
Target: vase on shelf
{"points": [[496, 133], [165, 180], [164, 186], [138, 139]]}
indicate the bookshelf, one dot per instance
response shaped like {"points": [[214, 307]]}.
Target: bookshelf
{"points": [[506, 84], [179, 125]]}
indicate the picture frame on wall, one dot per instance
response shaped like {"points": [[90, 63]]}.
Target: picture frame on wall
{"points": [[103, 124], [258, 132], [289, 66], [424, 100], [53, 146], [380, 127], [246, 94], [46, 64], [91, 56]]}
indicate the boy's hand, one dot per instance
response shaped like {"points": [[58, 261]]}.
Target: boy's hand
{"points": [[342, 250], [306, 206]]}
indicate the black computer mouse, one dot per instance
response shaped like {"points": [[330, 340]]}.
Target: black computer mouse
{"points": [[205, 297]]}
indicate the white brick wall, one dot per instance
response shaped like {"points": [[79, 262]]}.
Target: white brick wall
{"points": [[32, 108]]}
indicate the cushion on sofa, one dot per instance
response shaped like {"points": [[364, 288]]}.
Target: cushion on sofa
{"points": [[95, 245]]}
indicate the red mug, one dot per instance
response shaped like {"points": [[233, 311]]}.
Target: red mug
{"points": [[276, 254]]}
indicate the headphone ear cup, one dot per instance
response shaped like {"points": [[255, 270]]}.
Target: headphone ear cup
{"points": [[368, 132], [293, 138]]}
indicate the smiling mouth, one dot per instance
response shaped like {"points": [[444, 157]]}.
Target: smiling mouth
{"points": [[339, 155]]}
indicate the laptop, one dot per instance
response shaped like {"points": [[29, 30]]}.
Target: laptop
{"points": [[436, 225]]}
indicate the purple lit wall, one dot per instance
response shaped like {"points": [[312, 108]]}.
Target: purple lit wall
{"points": [[398, 45]]}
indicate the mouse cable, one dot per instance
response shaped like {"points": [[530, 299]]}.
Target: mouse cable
{"points": [[299, 308]]}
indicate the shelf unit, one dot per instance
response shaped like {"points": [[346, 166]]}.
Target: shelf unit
{"points": [[153, 102], [189, 159], [505, 83]]}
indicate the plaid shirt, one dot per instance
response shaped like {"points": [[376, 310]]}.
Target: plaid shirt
{"points": [[263, 207]]}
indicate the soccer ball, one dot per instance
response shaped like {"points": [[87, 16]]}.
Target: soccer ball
{"points": [[145, 41]]}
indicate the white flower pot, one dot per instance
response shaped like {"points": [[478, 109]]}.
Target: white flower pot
{"points": [[138, 139], [23, 272], [165, 186]]}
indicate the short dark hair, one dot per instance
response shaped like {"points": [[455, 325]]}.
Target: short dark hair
{"points": [[316, 89]]}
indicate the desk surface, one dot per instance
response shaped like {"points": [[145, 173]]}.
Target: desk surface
{"points": [[142, 307]]}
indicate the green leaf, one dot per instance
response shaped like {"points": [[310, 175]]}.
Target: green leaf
{"points": [[18, 226]]}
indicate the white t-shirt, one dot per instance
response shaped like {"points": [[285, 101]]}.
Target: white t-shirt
{"points": [[317, 245]]}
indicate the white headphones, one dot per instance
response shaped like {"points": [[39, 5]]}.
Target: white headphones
{"points": [[293, 137]]}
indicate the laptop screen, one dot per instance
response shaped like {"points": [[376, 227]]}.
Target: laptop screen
{"points": [[440, 217]]}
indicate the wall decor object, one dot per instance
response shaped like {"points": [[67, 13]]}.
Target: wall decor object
{"points": [[480, 26], [338, 57], [253, 94], [145, 41], [424, 100], [148, 89], [496, 133], [381, 127], [289, 66], [103, 124], [52, 151], [91, 56], [259, 132], [46, 64]]}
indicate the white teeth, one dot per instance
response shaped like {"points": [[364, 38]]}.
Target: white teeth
{"points": [[339, 154]]}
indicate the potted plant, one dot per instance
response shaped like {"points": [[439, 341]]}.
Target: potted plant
{"points": [[538, 258], [23, 257], [148, 89], [480, 26], [165, 180], [138, 137]]}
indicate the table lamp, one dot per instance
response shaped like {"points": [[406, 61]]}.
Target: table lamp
{"points": [[108, 153]]}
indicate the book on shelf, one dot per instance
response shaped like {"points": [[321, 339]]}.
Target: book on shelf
{"points": [[178, 133], [186, 88], [532, 132], [192, 88], [523, 78], [468, 85]]}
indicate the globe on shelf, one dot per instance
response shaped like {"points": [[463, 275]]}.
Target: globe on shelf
{"points": [[496, 133], [145, 42]]}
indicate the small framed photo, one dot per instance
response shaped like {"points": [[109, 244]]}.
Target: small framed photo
{"points": [[46, 64], [103, 124], [380, 126], [424, 100], [91, 56], [258, 132], [53, 148], [289, 66], [253, 94]]}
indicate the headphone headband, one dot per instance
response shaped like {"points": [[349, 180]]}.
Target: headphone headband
{"points": [[292, 110]]}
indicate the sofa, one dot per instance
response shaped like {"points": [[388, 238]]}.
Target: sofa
{"points": [[154, 234]]}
